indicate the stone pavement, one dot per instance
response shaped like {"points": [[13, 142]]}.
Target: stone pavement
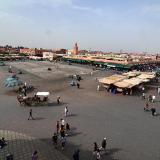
{"points": [[22, 147], [131, 133]]}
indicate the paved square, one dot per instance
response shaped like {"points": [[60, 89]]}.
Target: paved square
{"points": [[132, 134]]}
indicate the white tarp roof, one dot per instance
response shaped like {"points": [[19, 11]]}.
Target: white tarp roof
{"points": [[145, 80], [134, 81], [132, 73], [146, 76], [123, 81], [123, 84], [112, 79], [129, 83], [42, 93]]}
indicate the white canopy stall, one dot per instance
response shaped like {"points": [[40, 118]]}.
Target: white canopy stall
{"points": [[112, 79], [45, 94]]}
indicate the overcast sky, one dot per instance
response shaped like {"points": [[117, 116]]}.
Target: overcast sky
{"points": [[108, 25]]}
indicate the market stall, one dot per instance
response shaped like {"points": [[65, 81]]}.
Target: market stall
{"points": [[132, 74], [112, 79]]}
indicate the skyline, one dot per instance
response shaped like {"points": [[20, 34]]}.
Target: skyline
{"points": [[105, 25]]}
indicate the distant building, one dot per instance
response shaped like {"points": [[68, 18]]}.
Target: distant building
{"points": [[69, 52], [2, 49], [9, 49], [82, 52], [61, 51], [14, 50], [28, 51], [75, 49], [48, 55]]}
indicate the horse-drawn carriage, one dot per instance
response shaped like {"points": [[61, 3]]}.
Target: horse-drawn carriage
{"points": [[40, 98]]}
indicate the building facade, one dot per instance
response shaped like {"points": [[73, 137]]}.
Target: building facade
{"points": [[28, 51]]}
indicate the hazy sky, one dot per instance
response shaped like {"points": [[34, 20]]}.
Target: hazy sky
{"points": [[109, 25]]}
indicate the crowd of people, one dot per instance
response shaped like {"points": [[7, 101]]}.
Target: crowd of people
{"points": [[59, 138], [62, 131], [150, 108], [151, 99], [75, 80], [23, 89], [97, 150]]}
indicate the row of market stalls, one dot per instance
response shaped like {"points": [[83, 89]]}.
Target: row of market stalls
{"points": [[113, 63], [126, 81], [98, 63]]}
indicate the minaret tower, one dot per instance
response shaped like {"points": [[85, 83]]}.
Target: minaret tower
{"points": [[75, 50]]}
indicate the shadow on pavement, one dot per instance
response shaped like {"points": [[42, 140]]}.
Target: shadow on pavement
{"points": [[51, 104], [72, 115], [84, 154], [11, 92], [39, 118], [73, 128], [74, 134], [22, 148]]}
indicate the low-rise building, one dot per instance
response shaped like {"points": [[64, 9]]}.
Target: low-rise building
{"points": [[28, 51], [48, 55]]}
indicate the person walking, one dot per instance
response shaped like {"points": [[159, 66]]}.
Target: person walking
{"points": [[2, 143], [62, 133], [24, 92], [9, 156], [153, 98], [66, 111], [146, 108], [62, 123], [158, 90], [143, 95], [30, 115], [63, 142], [143, 89], [57, 127], [95, 148], [55, 139], [76, 155], [98, 87], [78, 85], [153, 110], [10, 69], [67, 129], [103, 145], [35, 155], [98, 156], [58, 100]]}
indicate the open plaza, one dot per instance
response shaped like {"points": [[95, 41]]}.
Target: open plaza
{"points": [[131, 133]]}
